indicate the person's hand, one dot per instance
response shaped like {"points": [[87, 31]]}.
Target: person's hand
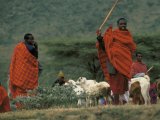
{"points": [[99, 38], [98, 32], [36, 45]]}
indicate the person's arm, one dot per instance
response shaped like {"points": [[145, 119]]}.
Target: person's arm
{"points": [[132, 70], [57, 81], [146, 69], [101, 42], [36, 49]]}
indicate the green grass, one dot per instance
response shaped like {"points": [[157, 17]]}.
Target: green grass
{"points": [[128, 112]]}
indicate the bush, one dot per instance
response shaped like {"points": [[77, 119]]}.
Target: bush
{"points": [[57, 96]]}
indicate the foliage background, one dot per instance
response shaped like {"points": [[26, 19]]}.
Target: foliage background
{"points": [[65, 31]]}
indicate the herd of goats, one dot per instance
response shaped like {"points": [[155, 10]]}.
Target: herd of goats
{"points": [[140, 91]]}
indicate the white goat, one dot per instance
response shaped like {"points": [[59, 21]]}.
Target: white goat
{"points": [[84, 82], [80, 94], [93, 89], [70, 82], [78, 90], [145, 85]]}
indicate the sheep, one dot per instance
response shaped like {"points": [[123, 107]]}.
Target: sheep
{"points": [[80, 93], [85, 84], [70, 82], [101, 89], [82, 81], [145, 85], [93, 89], [78, 90]]}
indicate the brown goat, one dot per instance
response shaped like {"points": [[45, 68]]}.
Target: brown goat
{"points": [[135, 93]]}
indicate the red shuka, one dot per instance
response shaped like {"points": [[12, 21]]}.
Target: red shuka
{"points": [[138, 67], [23, 71], [119, 46], [4, 100]]}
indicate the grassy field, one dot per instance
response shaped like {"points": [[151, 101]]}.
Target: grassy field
{"points": [[126, 112]]}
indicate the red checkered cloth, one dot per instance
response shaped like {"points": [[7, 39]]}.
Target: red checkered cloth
{"points": [[23, 69], [102, 56], [4, 100], [119, 46]]}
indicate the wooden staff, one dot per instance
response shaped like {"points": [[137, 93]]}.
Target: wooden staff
{"points": [[149, 69], [108, 15]]}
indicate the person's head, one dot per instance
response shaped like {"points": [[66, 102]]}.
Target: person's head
{"points": [[61, 74], [29, 38], [139, 56], [122, 24]]}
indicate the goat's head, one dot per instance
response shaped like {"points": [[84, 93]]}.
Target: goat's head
{"points": [[79, 91], [147, 77], [81, 80]]}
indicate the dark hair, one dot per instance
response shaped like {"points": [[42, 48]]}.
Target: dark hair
{"points": [[138, 53], [120, 20], [28, 36]]}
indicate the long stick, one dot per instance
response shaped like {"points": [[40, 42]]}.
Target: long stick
{"points": [[149, 69], [108, 15]]}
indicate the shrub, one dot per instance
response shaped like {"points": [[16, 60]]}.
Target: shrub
{"points": [[57, 96]]}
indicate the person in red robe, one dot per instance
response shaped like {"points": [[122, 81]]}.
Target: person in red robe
{"points": [[139, 68], [4, 100], [153, 93], [24, 67], [115, 51]]}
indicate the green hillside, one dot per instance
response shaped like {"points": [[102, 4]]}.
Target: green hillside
{"points": [[50, 18], [65, 31]]}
